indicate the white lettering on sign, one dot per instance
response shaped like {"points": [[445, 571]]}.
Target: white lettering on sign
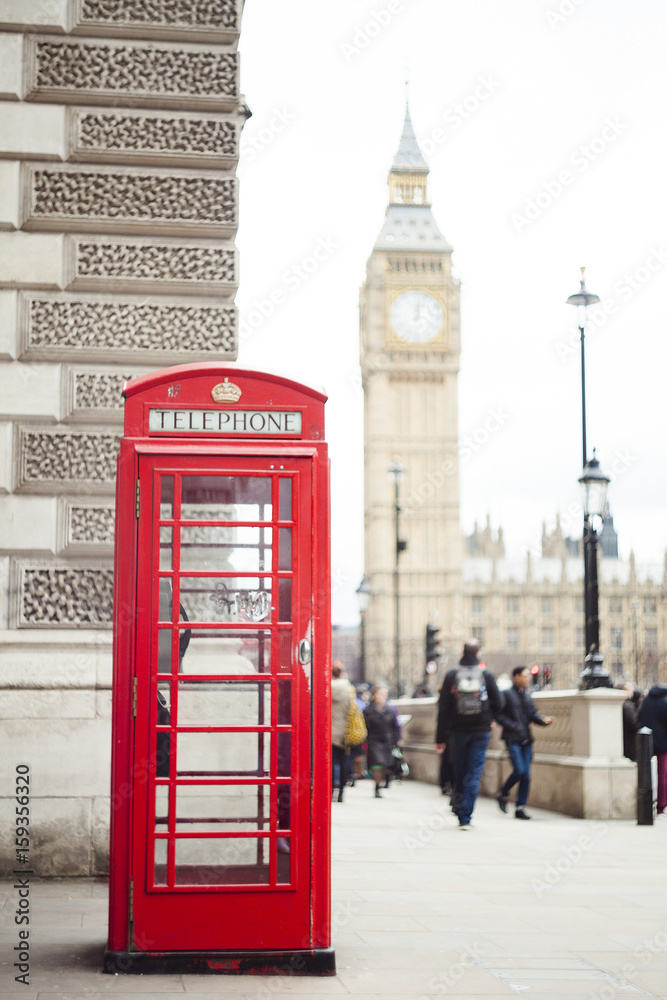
{"points": [[225, 421]]}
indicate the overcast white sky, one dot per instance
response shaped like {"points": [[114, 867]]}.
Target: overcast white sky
{"points": [[543, 122]]}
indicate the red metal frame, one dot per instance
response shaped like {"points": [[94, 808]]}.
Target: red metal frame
{"points": [[278, 918]]}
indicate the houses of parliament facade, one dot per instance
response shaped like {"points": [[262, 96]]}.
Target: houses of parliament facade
{"points": [[528, 612]]}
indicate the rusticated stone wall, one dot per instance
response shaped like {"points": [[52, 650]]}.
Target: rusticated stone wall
{"points": [[119, 140], [122, 253]]}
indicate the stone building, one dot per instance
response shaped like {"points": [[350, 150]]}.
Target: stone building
{"points": [[410, 347], [532, 611], [119, 133]]}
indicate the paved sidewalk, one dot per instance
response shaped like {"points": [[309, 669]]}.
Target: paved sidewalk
{"points": [[557, 907]]}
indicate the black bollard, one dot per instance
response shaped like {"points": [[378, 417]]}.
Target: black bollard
{"points": [[644, 753]]}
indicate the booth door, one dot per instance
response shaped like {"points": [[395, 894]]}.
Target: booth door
{"points": [[222, 767]]}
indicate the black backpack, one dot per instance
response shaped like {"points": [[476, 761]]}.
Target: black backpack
{"points": [[469, 691]]}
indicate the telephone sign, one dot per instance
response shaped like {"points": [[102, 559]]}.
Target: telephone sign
{"points": [[220, 845]]}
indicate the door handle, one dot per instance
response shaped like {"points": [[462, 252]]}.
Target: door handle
{"points": [[305, 651]]}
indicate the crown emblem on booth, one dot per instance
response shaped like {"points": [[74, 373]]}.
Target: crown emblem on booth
{"points": [[226, 392]]}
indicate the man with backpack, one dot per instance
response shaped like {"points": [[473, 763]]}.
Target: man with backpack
{"points": [[469, 702]]}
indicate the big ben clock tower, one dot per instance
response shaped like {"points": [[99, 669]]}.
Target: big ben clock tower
{"points": [[410, 345]]}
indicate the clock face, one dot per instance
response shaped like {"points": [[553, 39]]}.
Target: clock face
{"points": [[416, 316]]}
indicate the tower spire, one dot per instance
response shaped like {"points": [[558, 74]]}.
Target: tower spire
{"points": [[407, 177], [409, 223], [409, 156]]}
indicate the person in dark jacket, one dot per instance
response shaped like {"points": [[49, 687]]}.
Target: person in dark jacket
{"points": [[383, 735], [630, 721], [469, 701], [653, 713], [516, 718]]}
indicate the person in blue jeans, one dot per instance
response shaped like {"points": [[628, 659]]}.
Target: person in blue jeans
{"points": [[516, 718], [469, 702]]}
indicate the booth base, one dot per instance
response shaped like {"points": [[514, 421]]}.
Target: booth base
{"points": [[314, 962]]}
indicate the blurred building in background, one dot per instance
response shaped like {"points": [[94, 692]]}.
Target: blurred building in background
{"points": [[530, 612]]}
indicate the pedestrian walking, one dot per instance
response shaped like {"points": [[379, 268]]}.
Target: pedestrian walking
{"points": [[383, 735], [630, 718], [516, 718], [653, 713], [341, 693], [357, 752], [469, 702]]}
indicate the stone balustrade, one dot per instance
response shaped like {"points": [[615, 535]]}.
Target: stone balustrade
{"points": [[578, 766]]}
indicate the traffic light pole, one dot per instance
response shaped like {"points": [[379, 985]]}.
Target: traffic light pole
{"points": [[431, 652]]}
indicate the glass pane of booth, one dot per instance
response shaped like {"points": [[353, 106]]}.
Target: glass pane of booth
{"points": [[226, 599], [221, 549], [285, 499], [214, 651], [216, 703], [212, 808], [226, 498], [222, 861], [166, 548], [161, 807], [166, 497], [224, 754]]}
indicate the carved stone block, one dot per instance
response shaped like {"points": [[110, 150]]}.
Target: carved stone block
{"points": [[153, 137], [91, 394], [91, 524], [85, 527], [125, 265], [94, 71], [106, 328], [99, 390], [123, 199], [63, 596], [59, 460], [215, 20]]}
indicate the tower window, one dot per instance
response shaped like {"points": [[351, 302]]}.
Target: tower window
{"points": [[512, 641], [547, 638], [651, 638]]}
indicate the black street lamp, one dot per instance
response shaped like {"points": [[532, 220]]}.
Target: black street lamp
{"points": [[594, 484], [396, 473], [363, 597]]}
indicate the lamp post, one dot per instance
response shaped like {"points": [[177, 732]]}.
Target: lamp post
{"points": [[363, 597], [396, 473], [594, 484]]}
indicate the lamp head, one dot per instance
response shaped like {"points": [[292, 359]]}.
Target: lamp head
{"points": [[396, 471], [583, 297], [363, 595], [594, 484]]}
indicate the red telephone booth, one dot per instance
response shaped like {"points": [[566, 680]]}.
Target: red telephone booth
{"points": [[220, 843]]}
